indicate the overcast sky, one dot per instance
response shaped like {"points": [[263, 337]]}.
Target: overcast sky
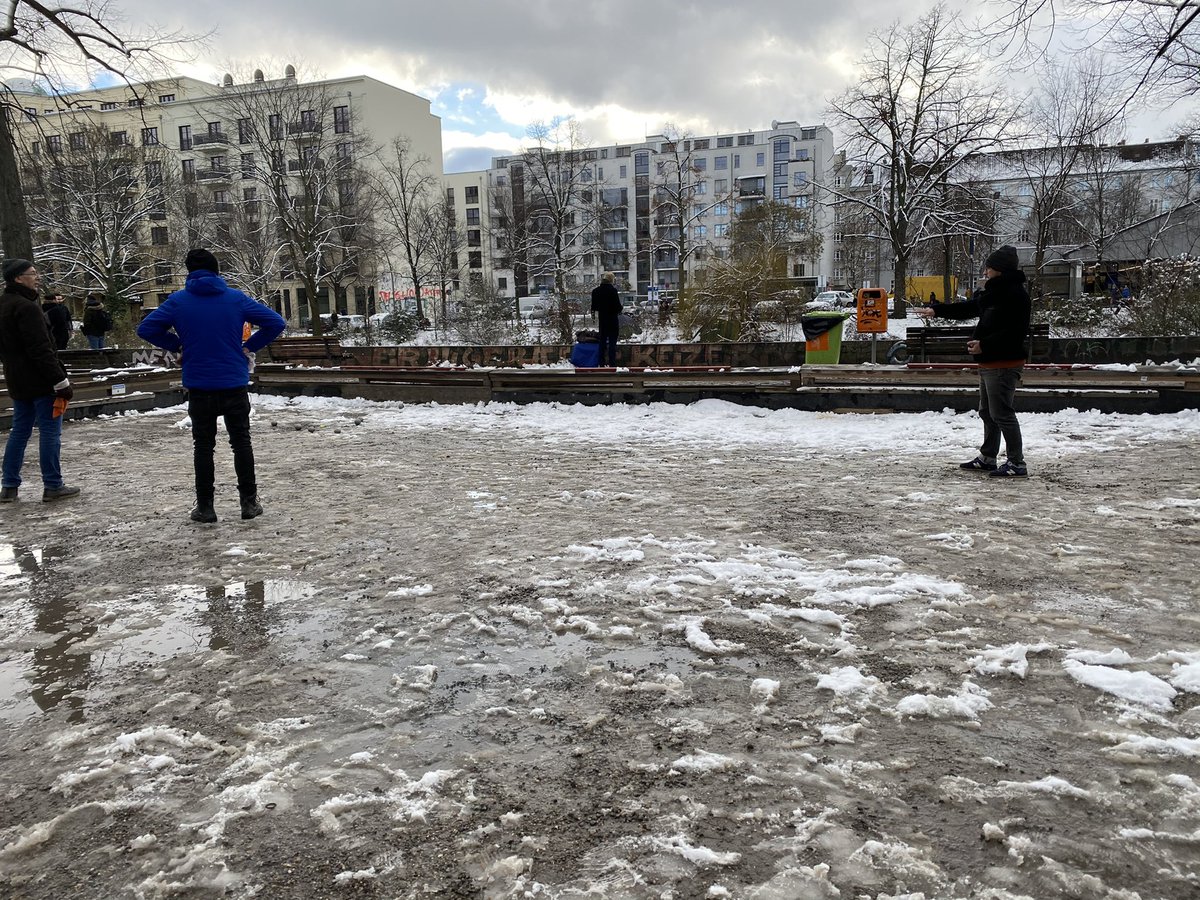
{"points": [[623, 68]]}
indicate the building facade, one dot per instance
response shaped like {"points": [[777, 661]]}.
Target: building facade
{"points": [[272, 174], [653, 213]]}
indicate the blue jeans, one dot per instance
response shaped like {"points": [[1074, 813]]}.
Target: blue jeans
{"points": [[95, 341], [997, 387], [26, 414], [233, 406]]}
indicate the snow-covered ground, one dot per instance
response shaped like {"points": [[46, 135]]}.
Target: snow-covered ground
{"points": [[565, 652]]}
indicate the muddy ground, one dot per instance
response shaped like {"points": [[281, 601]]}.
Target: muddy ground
{"points": [[551, 653]]}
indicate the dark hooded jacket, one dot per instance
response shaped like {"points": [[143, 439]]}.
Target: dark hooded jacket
{"points": [[59, 318], [606, 303], [31, 366], [205, 321], [1003, 308]]}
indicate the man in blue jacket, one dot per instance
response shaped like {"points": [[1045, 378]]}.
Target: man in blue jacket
{"points": [[207, 317]]}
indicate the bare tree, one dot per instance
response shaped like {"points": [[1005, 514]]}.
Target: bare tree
{"points": [[48, 44], [409, 207], [446, 243], [98, 208], [554, 204], [299, 146], [1158, 41], [921, 110], [679, 205], [763, 238]]}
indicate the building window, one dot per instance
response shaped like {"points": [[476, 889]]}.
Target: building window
{"points": [[800, 179], [721, 229], [77, 140], [450, 196], [745, 140], [474, 238], [760, 159], [699, 231], [700, 164], [54, 143], [701, 188], [308, 120], [701, 144], [119, 139], [624, 151], [154, 174], [502, 283], [724, 142], [247, 165], [475, 259], [641, 164], [800, 202], [159, 236], [341, 120], [344, 152], [624, 172], [275, 126], [802, 155], [104, 107], [471, 195], [166, 98], [31, 113], [149, 137], [721, 162], [245, 131], [1023, 237], [189, 170], [185, 137], [473, 216], [781, 147], [721, 209], [136, 101], [720, 185], [737, 160]]}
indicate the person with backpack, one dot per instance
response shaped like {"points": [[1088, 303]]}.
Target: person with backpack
{"points": [[97, 322]]}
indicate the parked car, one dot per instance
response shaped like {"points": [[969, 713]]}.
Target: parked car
{"points": [[349, 322], [835, 298]]}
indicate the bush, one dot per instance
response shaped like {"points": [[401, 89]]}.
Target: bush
{"points": [[1169, 303], [399, 326], [486, 318]]}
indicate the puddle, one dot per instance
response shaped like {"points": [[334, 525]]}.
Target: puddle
{"points": [[68, 646]]}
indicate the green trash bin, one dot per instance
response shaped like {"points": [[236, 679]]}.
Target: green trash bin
{"points": [[822, 337]]}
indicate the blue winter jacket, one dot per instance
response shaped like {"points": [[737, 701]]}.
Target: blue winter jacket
{"points": [[207, 317]]}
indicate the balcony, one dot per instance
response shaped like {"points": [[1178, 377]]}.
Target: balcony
{"points": [[214, 174], [303, 128], [157, 215], [207, 142], [221, 207], [305, 165]]}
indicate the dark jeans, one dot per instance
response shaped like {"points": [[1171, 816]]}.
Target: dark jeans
{"points": [[997, 387], [234, 407], [95, 341], [608, 343]]}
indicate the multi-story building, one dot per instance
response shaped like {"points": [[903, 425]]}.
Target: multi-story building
{"points": [[650, 212], [271, 173]]}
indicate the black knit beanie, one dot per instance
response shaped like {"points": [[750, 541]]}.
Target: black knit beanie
{"points": [[15, 268], [1003, 259], [201, 259]]}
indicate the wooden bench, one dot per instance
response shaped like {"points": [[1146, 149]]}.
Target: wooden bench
{"points": [[949, 344], [309, 351]]}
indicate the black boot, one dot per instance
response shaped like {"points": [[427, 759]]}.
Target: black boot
{"points": [[251, 508], [203, 511]]}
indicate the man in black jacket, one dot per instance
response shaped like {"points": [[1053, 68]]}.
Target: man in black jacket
{"points": [[59, 319], [998, 345], [35, 379], [606, 305]]}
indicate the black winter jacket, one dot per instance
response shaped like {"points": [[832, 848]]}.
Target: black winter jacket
{"points": [[606, 302], [96, 321], [59, 319], [1003, 308], [31, 366]]}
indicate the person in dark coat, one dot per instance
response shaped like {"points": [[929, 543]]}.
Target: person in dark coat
{"points": [[205, 321], [998, 345], [35, 379], [59, 318], [96, 322], [606, 306]]}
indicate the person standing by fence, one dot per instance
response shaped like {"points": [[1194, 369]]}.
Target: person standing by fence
{"points": [[606, 306], [97, 322]]}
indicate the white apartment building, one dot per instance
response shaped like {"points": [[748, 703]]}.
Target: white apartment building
{"points": [[215, 157], [629, 235]]}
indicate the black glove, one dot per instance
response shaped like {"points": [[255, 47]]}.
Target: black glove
{"points": [[66, 393]]}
